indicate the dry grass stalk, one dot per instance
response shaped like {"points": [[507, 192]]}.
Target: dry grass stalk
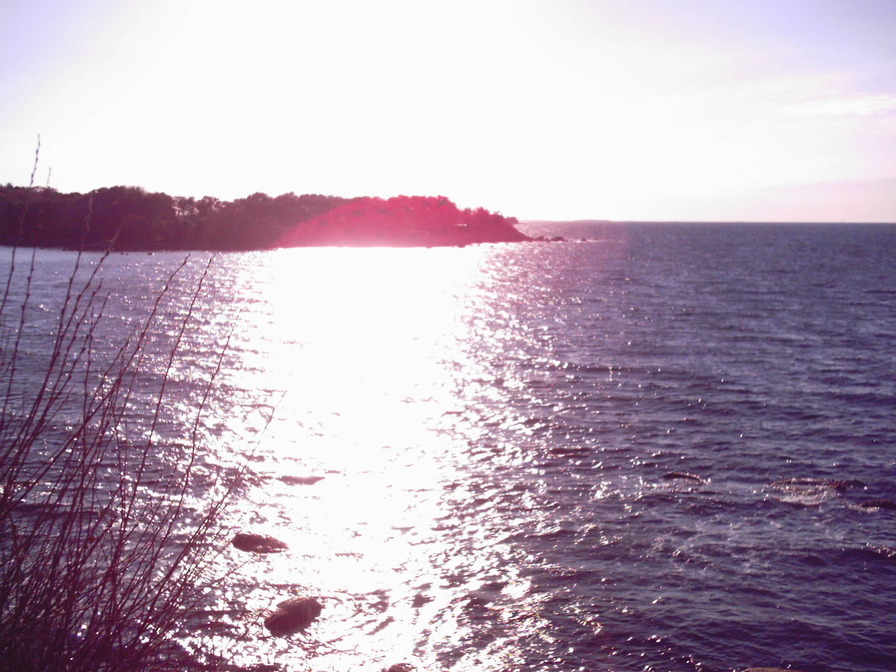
{"points": [[98, 562]]}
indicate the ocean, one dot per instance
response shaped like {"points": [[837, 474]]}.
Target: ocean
{"points": [[648, 447]]}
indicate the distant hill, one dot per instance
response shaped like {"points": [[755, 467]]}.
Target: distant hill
{"points": [[130, 218]]}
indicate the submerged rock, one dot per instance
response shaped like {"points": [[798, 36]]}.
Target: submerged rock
{"points": [[292, 616], [887, 504], [683, 475], [887, 552], [301, 480], [811, 491], [258, 543], [800, 482]]}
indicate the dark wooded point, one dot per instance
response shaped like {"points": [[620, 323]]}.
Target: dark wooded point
{"points": [[132, 219]]}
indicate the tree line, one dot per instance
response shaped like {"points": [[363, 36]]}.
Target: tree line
{"points": [[131, 218]]}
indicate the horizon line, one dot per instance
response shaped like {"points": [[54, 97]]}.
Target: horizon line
{"points": [[703, 221]]}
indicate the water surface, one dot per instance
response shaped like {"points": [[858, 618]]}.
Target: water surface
{"points": [[469, 451]]}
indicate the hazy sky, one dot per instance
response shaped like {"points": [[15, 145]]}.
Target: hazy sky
{"points": [[542, 109]]}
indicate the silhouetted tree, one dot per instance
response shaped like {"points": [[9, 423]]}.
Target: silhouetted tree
{"points": [[130, 218]]}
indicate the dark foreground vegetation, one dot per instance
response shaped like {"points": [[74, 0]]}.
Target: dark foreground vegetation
{"points": [[102, 561], [130, 218]]}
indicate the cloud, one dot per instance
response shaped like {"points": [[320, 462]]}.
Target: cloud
{"points": [[848, 106]]}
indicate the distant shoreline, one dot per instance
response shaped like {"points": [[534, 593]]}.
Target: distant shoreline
{"points": [[132, 219], [695, 222]]}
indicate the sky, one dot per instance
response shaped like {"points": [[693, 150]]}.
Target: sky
{"points": [[695, 110]]}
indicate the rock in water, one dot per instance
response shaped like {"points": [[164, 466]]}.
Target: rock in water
{"points": [[835, 483], [258, 543], [683, 475], [887, 552], [301, 480], [879, 504], [292, 616]]}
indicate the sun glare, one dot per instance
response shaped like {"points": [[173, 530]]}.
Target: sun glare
{"points": [[351, 336], [357, 342], [365, 315]]}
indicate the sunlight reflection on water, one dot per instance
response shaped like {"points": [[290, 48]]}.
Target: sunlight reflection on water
{"points": [[362, 352]]}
